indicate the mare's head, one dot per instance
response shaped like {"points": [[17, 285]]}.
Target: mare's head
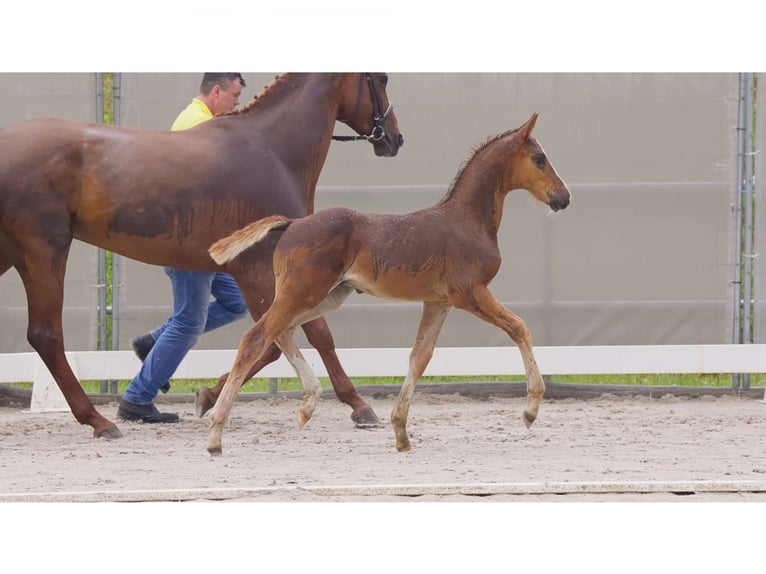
{"points": [[366, 109], [529, 168]]}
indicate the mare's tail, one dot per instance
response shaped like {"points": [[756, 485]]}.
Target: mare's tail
{"points": [[229, 247]]}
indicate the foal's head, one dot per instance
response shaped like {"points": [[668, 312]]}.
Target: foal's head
{"points": [[527, 167]]}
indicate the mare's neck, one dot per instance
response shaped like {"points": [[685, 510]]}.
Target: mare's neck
{"points": [[295, 118]]}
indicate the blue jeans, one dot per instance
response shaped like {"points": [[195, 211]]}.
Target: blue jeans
{"points": [[193, 314]]}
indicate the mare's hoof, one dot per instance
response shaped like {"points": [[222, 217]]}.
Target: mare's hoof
{"points": [[203, 401], [528, 419], [111, 432], [215, 451], [365, 417]]}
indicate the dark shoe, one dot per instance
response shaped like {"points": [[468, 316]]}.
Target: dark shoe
{"points": [[147, 413], [142, 345]]}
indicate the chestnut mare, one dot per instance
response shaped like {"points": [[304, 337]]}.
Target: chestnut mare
{"points": [[444, 256], [163, 197]]}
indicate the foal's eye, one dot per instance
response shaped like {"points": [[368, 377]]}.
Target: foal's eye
{"points": [[539, 161], [383, 79]]}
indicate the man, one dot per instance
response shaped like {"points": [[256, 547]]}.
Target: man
{"points": [[163, 349]]}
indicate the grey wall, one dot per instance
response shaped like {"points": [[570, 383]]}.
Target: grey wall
{"points": [[642, 256]]}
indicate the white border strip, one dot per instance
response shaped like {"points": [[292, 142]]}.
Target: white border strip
{"points": [[457, 361], [408, 490], [392, 362]]}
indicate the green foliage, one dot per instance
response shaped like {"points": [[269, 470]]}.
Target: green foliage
{"points": [[263, 385]]}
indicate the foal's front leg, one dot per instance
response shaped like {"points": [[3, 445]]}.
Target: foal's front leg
{"points": [[492, 311], [431, 323]]}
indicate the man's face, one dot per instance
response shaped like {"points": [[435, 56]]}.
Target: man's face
{"points": [[226, 98]]}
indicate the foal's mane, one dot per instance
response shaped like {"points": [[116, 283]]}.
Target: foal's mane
{"points": [[258, 100], [476, 150]]}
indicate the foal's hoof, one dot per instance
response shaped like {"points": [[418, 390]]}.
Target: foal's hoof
{"points": [[111, 432], [203, 401], [528, 418], [404, 447], [215, 451], [365, 417], [303, 418]]}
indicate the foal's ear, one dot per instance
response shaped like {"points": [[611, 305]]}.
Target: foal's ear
{"points": [[526, 129]]}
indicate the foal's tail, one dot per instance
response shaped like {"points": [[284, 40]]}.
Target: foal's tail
{"points": [[229, 247]]}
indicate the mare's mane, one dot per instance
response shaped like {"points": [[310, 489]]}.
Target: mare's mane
{"points": [[258, 100], [476, 150]]}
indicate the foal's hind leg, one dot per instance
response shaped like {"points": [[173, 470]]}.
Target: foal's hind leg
{"points": [[431, 323], [319, 336], [251, 272], [43, 279], [312, 389], [491, 310], [252, 346]]}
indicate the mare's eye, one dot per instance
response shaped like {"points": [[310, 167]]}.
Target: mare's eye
{"points": [[384, 79], [539, 161]]}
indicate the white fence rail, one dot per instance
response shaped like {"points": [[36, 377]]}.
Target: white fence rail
{"points": [[446, 361]]}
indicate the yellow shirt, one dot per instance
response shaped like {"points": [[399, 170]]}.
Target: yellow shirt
{"points": [[195, 113]]}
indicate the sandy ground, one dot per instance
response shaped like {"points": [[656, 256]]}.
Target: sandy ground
{"points": [[458, 443], [466, 450]]}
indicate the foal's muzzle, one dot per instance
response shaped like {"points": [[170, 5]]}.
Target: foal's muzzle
{"points": [[558, 199]]}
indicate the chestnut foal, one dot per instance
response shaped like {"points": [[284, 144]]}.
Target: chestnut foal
{"points": [[444, 256]]}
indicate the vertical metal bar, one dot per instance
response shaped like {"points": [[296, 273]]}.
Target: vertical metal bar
{"points": [[116, 279], [748, 198], [102, 311], [737, 324]]}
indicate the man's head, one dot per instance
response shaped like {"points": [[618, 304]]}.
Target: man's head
{"points": [[221, 90]]}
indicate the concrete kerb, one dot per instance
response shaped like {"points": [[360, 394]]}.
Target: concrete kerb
{"points": [[403, 490]]}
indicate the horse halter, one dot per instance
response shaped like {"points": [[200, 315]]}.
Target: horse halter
{"points": [[378, 119]]}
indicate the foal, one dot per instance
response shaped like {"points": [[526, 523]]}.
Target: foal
{"points": [[444, 256]]}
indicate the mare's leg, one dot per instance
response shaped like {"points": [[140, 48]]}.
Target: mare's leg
{"points": [[42, 273], [486, 307], [311, 387], [431, 323], [4, 264], [319, 336]]}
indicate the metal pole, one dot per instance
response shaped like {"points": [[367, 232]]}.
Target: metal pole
{"points": [[116, 280], [102, 310], [748, 198], [737, 322]]}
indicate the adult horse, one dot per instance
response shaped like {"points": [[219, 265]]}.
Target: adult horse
{"points": [[163, 197], [444, 256]]}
